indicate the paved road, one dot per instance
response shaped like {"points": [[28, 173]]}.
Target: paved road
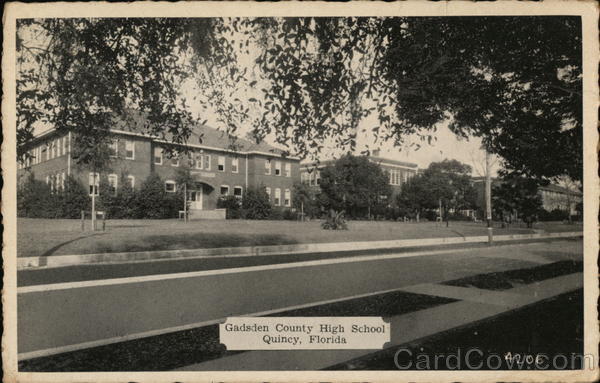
{"points": [[39, 276], [58, 317]]}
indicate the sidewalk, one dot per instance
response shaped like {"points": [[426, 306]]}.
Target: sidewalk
{"points": [[474, 305], [24, 263]]}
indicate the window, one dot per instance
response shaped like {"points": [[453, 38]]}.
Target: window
{"points": [[62, 180], [317, 177], [268, 190], [45, 152], [234, 165], [303, 178], [287, 199], [237, 191], [207, 162], [268, 167], [64, 145], [198, 161], [277, 197], [221, 165], [170, 186], [113, 148], [112, 183], [94, 182], [131, 180], [52, 149], [395, 177], [175, 159], [277, 168], [158, 154], [288, 169], [58, 146], [129, 150], [224, 190]]}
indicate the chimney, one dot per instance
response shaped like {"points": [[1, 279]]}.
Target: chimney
{"points": [[375, 153]]}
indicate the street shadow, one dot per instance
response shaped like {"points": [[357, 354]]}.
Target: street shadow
{"points": [[43, 258], [195, 241]]}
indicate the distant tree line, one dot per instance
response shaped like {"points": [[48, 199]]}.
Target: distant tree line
{"points": [[359, 188]]}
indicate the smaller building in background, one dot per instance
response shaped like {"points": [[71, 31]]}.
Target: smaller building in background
{"points": [[398, 172], [555, 197]]}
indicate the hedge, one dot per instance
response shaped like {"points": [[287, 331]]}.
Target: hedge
{"points": [[35, 199]]}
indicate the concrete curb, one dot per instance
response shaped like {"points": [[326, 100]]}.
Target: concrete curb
{"points": [[25, 263]]}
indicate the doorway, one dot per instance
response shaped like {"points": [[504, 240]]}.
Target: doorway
{"points": [[195, 198]]}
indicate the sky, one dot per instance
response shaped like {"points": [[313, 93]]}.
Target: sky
{"points": [[445, 146]]}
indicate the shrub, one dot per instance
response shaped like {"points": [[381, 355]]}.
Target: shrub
{"points": [[335, 221], [458, 217], [430, 215], [290, 215], [151, 198], [255, 204], [276, 214], [554, 215], [232, 205], [36, 200], [73, 198]]}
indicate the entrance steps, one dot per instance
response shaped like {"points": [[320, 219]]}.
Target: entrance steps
{"points": [[207, 214]]}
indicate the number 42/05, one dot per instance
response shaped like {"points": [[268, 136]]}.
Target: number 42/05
{"points": [[525, 359]]}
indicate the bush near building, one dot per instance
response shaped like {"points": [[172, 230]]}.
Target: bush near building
{"points": [[35, 199], [255, 204]]}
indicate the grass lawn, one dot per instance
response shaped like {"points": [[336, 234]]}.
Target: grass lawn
{"points": [[47, 237]]}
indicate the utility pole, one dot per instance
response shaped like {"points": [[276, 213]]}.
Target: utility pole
{"points": [[94, 189], [185, 213], [488, 195]]}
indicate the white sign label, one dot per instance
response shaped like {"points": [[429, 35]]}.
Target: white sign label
{"points": [[304, 333]]}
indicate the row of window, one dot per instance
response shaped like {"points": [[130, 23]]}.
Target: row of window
{"points": [[47, 151], [170, 187], [113, 149], [397, 177], [287, 197], [56, 181], [312, 178], [269, 166], [203, 162], [113, 183], [237, 191]]}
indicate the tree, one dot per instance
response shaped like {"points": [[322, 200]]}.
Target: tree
{"points": [[255, 203], [35, 199], [414, 197], [355, 185], [73, 197], [304, 199], [447, 184], [151, 197], [316, 79], [232, 206], [518, 196]]}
